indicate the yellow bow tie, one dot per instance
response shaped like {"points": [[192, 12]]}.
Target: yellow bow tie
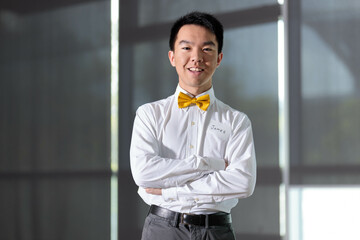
{"points": [[202, 102]]}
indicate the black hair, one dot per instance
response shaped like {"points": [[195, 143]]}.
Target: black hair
{"points": [[202, 19]]}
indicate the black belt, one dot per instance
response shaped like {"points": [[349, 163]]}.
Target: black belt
{"points": [[216, 219]]}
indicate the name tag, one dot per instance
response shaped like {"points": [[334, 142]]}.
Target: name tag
{"points": [[220, 130]]}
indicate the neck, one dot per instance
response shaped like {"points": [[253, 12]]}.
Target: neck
{"points": [[195, 90]]}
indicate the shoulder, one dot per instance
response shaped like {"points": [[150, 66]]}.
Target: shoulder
{"points": [[155, 108], [235, 117]]}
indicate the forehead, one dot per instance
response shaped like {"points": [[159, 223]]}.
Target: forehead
{"points": [[195, 33]]}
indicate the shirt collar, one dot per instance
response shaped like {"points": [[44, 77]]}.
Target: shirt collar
{"points": [[210, 92]]}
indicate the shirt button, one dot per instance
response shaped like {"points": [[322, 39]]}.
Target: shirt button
{"points": [[196, 199], [192, 123], [191, 146]]}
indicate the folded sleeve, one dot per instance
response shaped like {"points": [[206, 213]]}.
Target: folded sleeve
{"points": [[237, 181]]}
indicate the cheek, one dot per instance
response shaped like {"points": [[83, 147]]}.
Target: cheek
{"points": [[180, 69], [211, 59], [181, 59], [213, 64]]}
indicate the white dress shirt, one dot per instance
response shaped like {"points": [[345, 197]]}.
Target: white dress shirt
{"points": [[183, 152]]}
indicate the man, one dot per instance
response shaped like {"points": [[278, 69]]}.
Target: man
{"points": [[192, 156]]}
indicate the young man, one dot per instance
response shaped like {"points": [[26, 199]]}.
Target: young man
{"points": [[192, 156]]}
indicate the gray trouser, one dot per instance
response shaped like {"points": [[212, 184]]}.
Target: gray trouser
{"points": [[158, 228]]}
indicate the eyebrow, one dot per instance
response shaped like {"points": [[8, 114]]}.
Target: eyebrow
{"points": [[191, 43]]}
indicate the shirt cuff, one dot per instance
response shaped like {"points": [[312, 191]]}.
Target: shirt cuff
{"points": [[216, 164], [170, 194]]}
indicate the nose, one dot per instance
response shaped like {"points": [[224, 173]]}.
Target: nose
{"points": [[197, 56]]}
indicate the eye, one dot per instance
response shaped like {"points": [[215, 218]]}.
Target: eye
{"points": [[207, 49], [185, 48]]}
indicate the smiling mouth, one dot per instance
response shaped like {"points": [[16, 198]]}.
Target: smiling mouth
{"points": [[194, 69]]}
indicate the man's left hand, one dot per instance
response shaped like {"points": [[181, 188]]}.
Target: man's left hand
{"points": [[154, 191]]}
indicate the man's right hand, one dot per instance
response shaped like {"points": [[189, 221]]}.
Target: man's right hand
{"points": [[226, 164]]}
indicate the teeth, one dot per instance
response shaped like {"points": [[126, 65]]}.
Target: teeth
{"points": [[196, 69]]}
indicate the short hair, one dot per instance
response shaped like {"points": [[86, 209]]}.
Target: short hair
{"points": [[202, 19]]}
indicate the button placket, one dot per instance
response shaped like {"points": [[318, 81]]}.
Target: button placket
{"points": [[192, 131]]}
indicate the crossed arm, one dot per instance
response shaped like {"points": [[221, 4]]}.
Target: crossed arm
{"points": [[158, 191], [195, 177]]}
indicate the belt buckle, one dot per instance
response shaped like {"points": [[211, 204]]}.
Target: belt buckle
{"points": [[182, 218]]}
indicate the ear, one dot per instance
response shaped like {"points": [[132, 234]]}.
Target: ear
{"points": [[219, 58], [171, 58]]}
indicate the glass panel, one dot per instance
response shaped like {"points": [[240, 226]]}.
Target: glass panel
{"points": [[131, 206], [156, 11], [55, 88], [330, 83], [313, 215], [157, 78], [55, 209], [329, 178], [259, 214]]}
